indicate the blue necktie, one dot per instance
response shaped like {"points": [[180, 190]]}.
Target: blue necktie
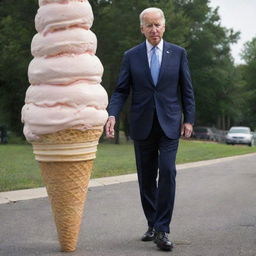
{"points": [[154, 65]]}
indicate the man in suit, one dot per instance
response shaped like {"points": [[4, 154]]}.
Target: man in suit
{"points": [[157, 74]]}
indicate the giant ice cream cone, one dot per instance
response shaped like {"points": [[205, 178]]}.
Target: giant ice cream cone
{"points": [[66, 160], [64, 109]]}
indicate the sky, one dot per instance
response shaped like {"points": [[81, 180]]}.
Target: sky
{"points": [[241, 16]]}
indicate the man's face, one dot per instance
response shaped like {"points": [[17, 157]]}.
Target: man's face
{"points": [[153, 27]]}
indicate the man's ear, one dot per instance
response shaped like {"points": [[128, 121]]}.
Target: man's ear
{"points": [[141, 30]]}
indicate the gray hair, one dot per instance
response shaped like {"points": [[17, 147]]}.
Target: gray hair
{"points": [[151, 9]]}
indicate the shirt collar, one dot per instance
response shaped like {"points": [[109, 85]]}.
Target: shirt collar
{"points": [[150, 46]]}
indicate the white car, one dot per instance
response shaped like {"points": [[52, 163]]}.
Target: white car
{"points": [[240, 135]]}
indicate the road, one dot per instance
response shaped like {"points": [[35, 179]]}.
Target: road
{"points": [[214, 215]]}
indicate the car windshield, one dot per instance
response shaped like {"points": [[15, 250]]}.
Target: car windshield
{"points": [[239, 130]]}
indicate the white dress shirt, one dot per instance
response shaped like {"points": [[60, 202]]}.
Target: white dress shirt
{"points": [[159, 51]]}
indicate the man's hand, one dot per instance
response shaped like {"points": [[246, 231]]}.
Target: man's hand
{"points": [[110, 127], [186, 130]]}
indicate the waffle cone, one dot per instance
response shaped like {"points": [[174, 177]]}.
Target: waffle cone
{"points": [[67, 145], [66, 185], [67, 181]]}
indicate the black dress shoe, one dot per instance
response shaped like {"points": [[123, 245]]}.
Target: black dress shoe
{"points": [[162, 241], [149, 235]]}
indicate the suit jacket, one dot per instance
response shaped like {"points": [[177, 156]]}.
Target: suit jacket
{"points": [[172, 95]]}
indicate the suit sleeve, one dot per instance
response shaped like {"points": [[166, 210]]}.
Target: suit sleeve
{"points": [[187, 92], [122, 90]]}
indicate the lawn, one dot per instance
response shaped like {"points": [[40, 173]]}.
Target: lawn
{"points": [[19, 170]]}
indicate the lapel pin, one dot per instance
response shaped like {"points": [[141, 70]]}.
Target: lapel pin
{"points": [[167, 52]]}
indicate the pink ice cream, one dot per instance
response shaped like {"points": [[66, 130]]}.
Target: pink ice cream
{"points": [[71, 41], [56, 16], [65, 69], [65, 74]]}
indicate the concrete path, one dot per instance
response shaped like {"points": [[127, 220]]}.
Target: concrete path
{"points": [[215, 215]]}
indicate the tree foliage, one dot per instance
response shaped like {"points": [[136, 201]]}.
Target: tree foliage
{"points": [[208, 45], [16, 32], [189, 23], [248, 73]]}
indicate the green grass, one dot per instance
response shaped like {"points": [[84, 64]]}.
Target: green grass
{"points": [[19, 170], [192, 151]]}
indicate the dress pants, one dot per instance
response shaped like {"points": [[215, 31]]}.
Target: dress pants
{"points": [[155, 160]]}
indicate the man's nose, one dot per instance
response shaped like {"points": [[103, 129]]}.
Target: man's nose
{"points": [[154, 28]]}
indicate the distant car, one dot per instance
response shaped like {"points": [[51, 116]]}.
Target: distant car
{"points": [[204, 133], [240, 135], [219, 135]]}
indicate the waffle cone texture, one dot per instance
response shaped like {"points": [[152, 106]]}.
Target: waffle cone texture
{"points": [[67, 181]]}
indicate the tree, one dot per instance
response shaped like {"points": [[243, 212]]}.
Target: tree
{"points": [[208, 45], [16, 32], [249, 76], [189, 23]]}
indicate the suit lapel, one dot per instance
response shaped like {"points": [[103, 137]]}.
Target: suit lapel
{"points": [[144, 61], [167, 52]]}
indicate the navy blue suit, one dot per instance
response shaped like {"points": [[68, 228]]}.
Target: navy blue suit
{"points": [[155, 123]]}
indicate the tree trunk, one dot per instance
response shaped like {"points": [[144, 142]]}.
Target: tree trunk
{"points": [[228, 122], [223, 122]]}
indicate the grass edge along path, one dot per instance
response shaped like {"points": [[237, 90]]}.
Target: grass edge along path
{"points": [[19, 170]]}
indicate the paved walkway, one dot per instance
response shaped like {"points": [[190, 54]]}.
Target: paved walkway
{"points": [[215, 215]]}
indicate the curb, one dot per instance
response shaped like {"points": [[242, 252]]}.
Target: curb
{"points": [[27, 194]]}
